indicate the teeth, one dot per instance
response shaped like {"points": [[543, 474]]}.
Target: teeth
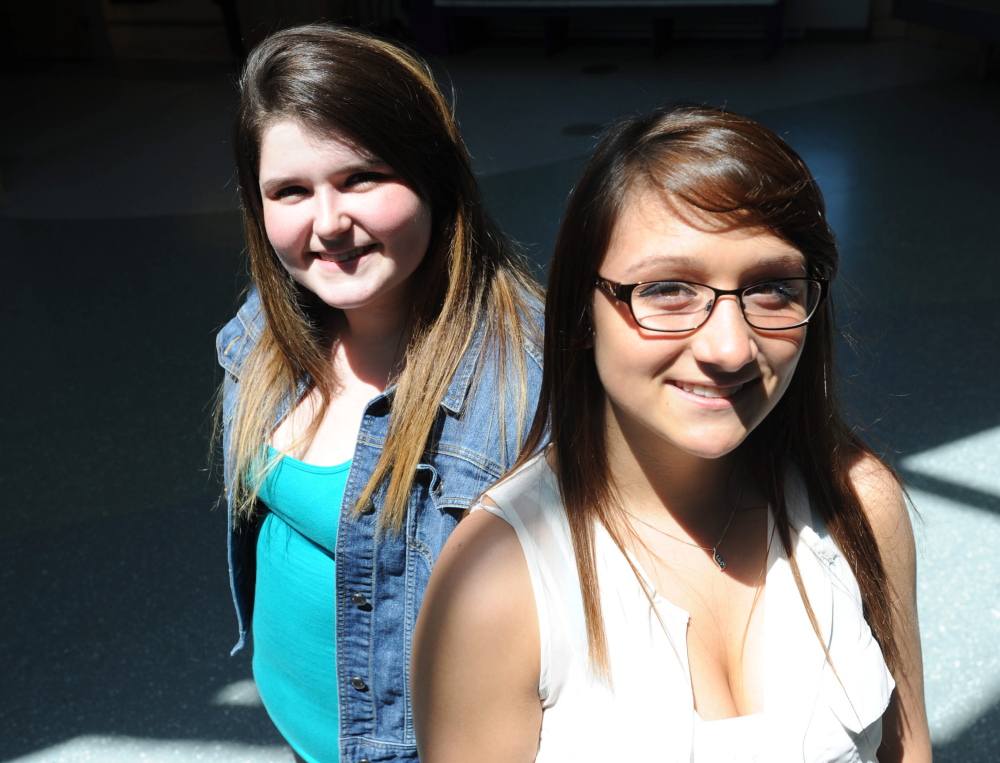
{"points": [[346, 256], [701, 391]]}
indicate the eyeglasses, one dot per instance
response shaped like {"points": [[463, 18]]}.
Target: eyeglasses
{"points": [[785, 303]]}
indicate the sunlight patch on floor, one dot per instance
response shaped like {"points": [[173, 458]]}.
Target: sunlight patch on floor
{"points": [[115, 749], [972, 462], [238, 694], [958, 589]]}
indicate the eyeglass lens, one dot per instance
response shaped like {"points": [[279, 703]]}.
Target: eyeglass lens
{"points": [[681, 306]]}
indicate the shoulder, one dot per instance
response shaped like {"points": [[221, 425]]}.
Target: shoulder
{"points": [[883, 502], [504, 353], [476, 655], [525, 494], [491, 400], [479, 558], [480, 594], [533, 318], [885, 507], [240, 335], [523, 336], [905, 730], [517, 330]]}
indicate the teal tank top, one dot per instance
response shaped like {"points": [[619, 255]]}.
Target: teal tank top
{"points": [[295, 616]]}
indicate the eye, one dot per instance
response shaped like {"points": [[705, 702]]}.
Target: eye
{"points": [[665, 288], [667, 294], [368, 177], [775, 294], [289, 191]]}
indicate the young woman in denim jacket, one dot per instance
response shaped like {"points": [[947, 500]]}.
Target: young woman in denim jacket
{"points": [[708, 564], [379, 377]]}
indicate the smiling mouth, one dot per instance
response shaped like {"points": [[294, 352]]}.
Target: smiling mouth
{"points": [[713, 392], [351, 254]]}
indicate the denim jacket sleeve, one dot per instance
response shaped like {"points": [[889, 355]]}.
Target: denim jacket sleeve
{"points": [[381, 577], [233, 345]]}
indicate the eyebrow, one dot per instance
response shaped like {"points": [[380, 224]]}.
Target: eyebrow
{"points": [[273, 183], [683, 262], [675, 261], [795, 260]]}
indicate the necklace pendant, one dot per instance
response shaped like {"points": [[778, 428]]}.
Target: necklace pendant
{"points": [[718, 559]]}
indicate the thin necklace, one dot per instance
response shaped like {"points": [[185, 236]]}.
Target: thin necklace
{"points": [[719, 559]]}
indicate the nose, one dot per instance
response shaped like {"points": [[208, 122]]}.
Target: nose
{"points": [[725, 340], [331, 217]]}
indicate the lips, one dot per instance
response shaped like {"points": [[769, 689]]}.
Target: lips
{"points": [[702, 390], [350, 254]]}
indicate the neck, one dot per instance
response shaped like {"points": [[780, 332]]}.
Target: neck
{"points": [[370, 344], [659, 482]]}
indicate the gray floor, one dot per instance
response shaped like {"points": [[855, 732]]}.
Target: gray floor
{"points": [[121, 245]]}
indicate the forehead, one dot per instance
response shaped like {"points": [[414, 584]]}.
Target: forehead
{"points": [[288, 139], [655, 238]]}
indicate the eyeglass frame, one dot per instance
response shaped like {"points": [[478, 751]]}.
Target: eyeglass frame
{"points": [[623, 293]]}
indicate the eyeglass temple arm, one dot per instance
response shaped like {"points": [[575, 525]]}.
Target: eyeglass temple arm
{"points": [[609, 287]]}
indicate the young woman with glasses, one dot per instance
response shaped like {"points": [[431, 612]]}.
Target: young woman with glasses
{"points": [[705, 563], [381, 374]]}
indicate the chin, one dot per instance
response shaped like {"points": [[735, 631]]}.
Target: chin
{"points": [[711, 448], [711, 454], [346, 300]]}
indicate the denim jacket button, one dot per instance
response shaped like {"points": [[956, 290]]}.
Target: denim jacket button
{"points": [[364, 760], [368, 508], [359, 599], [359, 684]]}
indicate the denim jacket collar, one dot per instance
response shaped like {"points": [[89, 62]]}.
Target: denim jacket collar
{"points": [[234, 346], [241, 335]]}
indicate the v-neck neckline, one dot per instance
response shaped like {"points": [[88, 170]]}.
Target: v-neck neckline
{"points": [[676, 620]]}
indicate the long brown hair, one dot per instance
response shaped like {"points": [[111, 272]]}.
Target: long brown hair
{"points": [[737, 172], [336, 81]]}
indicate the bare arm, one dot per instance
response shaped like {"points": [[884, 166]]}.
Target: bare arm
{"points": [[905, 736], [475, 666]]}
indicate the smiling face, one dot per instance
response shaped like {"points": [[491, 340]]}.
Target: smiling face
{"points": [[341, 221], [700, 392]]}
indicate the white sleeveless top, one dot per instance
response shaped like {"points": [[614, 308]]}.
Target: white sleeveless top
{"points": [[809, 716]]}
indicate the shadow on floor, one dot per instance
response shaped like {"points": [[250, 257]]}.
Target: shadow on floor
{"points": [[977, 744], [122, 627]]}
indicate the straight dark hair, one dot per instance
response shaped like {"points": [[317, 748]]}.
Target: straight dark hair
{"points": [[728, 172]]}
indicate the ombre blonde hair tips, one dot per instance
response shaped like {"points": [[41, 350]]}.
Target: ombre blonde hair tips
{"points": [[344, 82]]}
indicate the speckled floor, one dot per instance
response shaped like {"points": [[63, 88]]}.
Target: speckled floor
{"points": [[121, 247]]}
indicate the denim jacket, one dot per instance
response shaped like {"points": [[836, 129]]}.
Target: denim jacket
{"points": [[381, 578]]}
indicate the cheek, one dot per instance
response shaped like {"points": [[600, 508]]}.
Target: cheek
{"points": [[605, 345], [783, 359], [407, 218], [283, 231], [623, 357]]}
